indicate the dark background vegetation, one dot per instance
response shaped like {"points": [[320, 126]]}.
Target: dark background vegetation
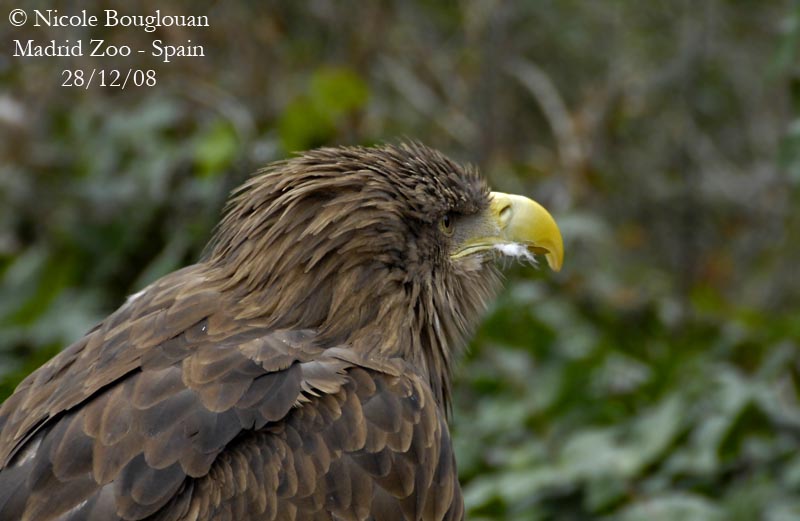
{"points": [[655, 377]]}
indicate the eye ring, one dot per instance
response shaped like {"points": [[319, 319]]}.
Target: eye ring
{"points": [[446, 224]]}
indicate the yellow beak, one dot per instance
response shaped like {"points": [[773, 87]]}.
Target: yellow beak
{"points": [[514, 219], [525, 221]]}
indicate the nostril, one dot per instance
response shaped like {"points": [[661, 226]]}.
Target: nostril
{"points": [[505, 214]]}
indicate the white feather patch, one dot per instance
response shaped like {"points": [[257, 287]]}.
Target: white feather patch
{"points": [[133, 297], [515, 249]]}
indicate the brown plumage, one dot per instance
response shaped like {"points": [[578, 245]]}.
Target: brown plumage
{"points": [[300, 371]]}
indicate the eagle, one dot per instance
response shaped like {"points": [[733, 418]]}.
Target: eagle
{"points": [[300, 371]]}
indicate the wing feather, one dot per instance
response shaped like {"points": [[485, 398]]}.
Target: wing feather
{"points": [[304, 468]]}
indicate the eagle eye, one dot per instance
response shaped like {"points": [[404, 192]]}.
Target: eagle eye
{"points": [[446, 224]]}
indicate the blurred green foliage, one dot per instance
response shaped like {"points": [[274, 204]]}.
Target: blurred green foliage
{"points": [[310, 120], [655, 378]]}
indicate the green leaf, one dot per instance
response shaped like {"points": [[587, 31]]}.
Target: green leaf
{"points": [[335, 91], [312, 119], [215, 149], [303, 125]]}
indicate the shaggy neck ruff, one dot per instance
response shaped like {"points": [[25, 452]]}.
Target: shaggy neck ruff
{"points": [[311, 245]]}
